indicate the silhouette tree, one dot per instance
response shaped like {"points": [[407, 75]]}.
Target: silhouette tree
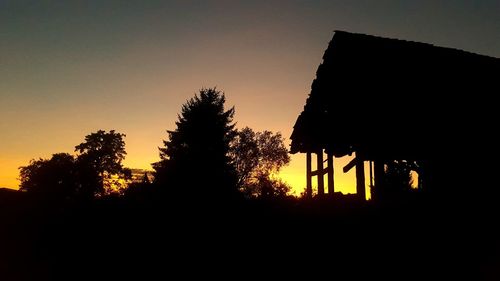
{"points": [[245, 154], [265, 187], [99, 163], [196, 155], [257, 158], [145, 179], [397, 179], [54, 177]]}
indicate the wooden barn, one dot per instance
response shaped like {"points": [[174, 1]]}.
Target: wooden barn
{"points": [[387, 99]]}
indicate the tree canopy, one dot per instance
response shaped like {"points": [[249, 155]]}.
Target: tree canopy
{"points": [[195, 158], [96, 169], [100, 159], [257, 158], [105, 151], [397, 182], [55, 177]]}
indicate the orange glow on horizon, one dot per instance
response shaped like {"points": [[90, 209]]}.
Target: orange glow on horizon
{"points": [[9, 172], [293, 174]]}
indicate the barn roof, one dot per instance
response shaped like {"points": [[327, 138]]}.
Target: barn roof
{"points": [[385, 97]]}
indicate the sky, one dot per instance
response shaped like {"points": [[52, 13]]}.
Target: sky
{"points": [[69, 68]]}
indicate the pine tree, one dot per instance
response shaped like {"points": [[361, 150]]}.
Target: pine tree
{"points": [[195, 158]]}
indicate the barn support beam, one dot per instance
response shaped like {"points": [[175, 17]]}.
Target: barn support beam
{"points": [[378, 169], [308, 175], [321, 181], [360, 179], [331, 184], [371, 173]]}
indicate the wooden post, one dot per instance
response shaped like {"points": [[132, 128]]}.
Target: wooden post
{"points": [[308, 175], [321, 182], [378, 169], [360, 179], [331, 186], [371, 173]]}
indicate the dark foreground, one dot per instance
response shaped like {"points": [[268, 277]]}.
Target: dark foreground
{"points": [[155, 239]]}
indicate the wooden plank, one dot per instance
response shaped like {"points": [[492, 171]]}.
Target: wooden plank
{"points": [[350, 165], [329, 168], [378, 173], [308, 175], [371, 173], [322, 172], [360, 179], [321, 182]]}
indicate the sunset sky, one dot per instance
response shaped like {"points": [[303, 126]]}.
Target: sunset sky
{"points": [[69, 68]]}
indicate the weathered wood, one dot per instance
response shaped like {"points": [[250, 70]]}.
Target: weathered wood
{"points": [[321, 182], [331, 185], [360, 179], [308, 175]]}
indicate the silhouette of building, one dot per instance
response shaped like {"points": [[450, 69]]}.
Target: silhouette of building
{"points": [[387, 99]]}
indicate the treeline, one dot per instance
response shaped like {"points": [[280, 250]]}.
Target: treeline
{"points": [[205, 157]]}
